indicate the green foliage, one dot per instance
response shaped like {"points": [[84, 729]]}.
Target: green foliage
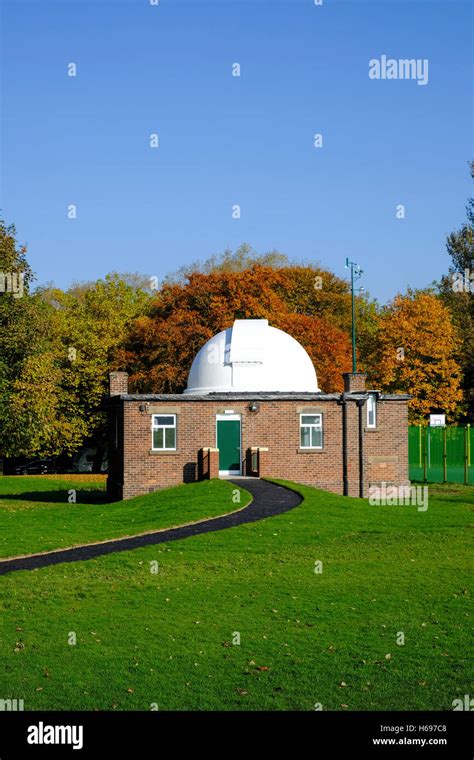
{"points": [[56, 351], [13, 256], [25, 334], [89, 322]]}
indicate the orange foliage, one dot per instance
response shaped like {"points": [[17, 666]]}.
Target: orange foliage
{"points": [[328, 346], [415, 353], [163, 344]]}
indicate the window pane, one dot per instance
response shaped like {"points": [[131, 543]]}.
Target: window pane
{"points": [[305, 436], [371, 411], [170, 438], [316, 437], [310, 419], [167, 419], [158, 438]]}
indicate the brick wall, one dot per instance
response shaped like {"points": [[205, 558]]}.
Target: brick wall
{"points": [[386, 446], [354, 381], [118, 383], [136, 469]]}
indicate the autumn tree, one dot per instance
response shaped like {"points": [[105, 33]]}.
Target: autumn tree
{"points": [[162, 345], [305, 288], [244, 257], [328, 346], [314, 291], [415, 353], [457, 293]]}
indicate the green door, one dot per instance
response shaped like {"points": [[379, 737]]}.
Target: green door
{"points": [[228, 443]]}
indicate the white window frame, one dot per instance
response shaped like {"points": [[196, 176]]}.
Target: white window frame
{"points": [[372, 406], [157, 427], [312, 425]]}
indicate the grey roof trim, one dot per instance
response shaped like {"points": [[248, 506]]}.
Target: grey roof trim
{"points": [[269, 396], [395, 396]]}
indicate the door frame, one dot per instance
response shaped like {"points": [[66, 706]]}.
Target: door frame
{"points": [[224, 418]]}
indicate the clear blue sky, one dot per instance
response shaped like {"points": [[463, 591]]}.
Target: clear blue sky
{"points": [[227, 140]]}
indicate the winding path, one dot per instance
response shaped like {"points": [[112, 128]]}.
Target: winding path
{"points": [[268, 500]]}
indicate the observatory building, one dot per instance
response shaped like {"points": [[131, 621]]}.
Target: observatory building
{"points": [[253, 407]]}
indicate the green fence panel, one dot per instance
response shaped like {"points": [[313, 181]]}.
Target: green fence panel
{"points": [[440, 454], [471, 456], [434, 453], [415, 452]]}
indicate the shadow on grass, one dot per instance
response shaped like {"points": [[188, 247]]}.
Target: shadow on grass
{"points": [[59, 496]]}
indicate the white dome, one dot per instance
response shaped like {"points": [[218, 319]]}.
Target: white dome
{"points": [[252, 356]]}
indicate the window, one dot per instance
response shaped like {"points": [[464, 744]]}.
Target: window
{"points": [[311, 431], [164, 431], [372, 410]]}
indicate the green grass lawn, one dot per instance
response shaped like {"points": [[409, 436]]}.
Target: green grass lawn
{"points": [[35, 514], [168, 638]]}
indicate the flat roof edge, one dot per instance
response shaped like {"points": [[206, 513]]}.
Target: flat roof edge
{"points": [[264, 396]]}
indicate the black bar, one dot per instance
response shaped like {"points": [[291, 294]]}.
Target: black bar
{"points": [[331, 734]]}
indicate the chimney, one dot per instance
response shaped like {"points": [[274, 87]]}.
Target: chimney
{"points": [[118, 383], [354, 382]]}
